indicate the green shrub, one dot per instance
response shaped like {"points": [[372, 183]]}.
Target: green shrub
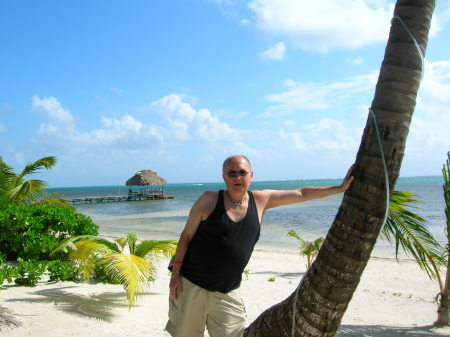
{"points": [[31, 232], [7, 273], [62, 271], [29, 273]]}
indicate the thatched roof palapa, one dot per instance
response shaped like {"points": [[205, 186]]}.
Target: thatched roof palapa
{"points": [[145, 178]]}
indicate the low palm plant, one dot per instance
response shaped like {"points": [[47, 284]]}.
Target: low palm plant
{"points": [[126, 261], [310, 249]]}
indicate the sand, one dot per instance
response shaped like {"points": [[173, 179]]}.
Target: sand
{"points": [[392, 299]]}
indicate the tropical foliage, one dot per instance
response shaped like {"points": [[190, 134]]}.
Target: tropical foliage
{"points": [[409, 231], [34, 231], [133, 265], [310, 249], [15, 189]]}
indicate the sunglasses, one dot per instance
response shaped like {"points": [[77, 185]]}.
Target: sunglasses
{"points": [[234, 174]]}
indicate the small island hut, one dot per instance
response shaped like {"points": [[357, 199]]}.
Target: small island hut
{"points": [[152, 185]]}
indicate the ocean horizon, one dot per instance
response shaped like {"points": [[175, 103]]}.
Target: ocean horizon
{"points": [[165, 219]]}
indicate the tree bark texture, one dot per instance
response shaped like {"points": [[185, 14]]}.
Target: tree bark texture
{"points": [[325, 291]]}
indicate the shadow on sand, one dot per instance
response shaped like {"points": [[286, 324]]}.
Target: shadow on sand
{"points": [[96, 306], [387, 331]]}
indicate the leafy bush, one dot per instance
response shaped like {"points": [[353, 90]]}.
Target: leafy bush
{"points": [[7, 273], [29, 273], [62, 271], [31, 232]]}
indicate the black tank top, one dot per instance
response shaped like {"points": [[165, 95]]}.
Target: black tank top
{"points": [[221, 248]]}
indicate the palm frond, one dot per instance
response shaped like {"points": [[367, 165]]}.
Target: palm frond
{"points": [[294, 234], [7, 176], [133, 272], [26, 190], [132, 239], [121, 242], [156, 249], [57, 202], [86, 255], [44, 162], [69, 243], [409, 232]]}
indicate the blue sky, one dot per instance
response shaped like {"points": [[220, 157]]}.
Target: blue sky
{"points": [[113, 87]]}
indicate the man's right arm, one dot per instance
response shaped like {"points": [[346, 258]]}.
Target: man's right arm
{"points": [[198, 212]]}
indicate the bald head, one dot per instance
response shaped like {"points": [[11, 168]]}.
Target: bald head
{"points": [[233, 158]]}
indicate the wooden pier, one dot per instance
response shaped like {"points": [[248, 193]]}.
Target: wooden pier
{"points": [[143, 194]]}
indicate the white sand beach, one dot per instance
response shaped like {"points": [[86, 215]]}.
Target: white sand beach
{"points": [[392, 299]]}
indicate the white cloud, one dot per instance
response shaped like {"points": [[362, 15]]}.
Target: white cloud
{"points": [[429, 131], [56, 113], [324, 24], [323, 136], [2, 128], [317, 96], [439, 20], [188, 124], [275, 52], [60, 124], [126, 136]]}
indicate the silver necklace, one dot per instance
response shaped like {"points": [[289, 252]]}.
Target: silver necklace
{"points": [[236, 204]]}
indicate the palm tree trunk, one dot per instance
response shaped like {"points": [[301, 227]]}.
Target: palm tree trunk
{"points": [[444, 303], [324, 293], [444, 295]]}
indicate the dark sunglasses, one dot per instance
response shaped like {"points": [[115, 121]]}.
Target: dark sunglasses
{"points": [[234, 174]]}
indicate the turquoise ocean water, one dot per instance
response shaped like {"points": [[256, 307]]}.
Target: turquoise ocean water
{"points": [[165, 219]]}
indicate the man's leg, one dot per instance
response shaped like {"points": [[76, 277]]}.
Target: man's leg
{"points": [[187, 314], [226, 314]]}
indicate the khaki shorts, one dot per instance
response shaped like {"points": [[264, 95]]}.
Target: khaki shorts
{"points": [[195, 308]]}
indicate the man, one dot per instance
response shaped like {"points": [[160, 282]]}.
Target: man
{"points": [[215, 246]]}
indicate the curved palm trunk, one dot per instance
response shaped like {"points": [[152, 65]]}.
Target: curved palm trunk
{"points": [[444, 296], [325, 291]]}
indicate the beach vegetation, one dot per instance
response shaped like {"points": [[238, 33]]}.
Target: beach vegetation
{"points": [[310, 249], [29, 272], [409, 231], [32, 232], [16, 189], [62, 271], [444, 284], [132, 265]]}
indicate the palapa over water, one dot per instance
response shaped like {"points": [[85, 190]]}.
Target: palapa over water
{"points": [[146, 178]]}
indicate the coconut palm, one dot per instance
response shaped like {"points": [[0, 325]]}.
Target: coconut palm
{"points": [[14, 188], [126, 261], [320, 301], [310, 249], [444, 295]]}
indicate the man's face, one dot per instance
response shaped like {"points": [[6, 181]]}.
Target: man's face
{"points": [[237, 174]]}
